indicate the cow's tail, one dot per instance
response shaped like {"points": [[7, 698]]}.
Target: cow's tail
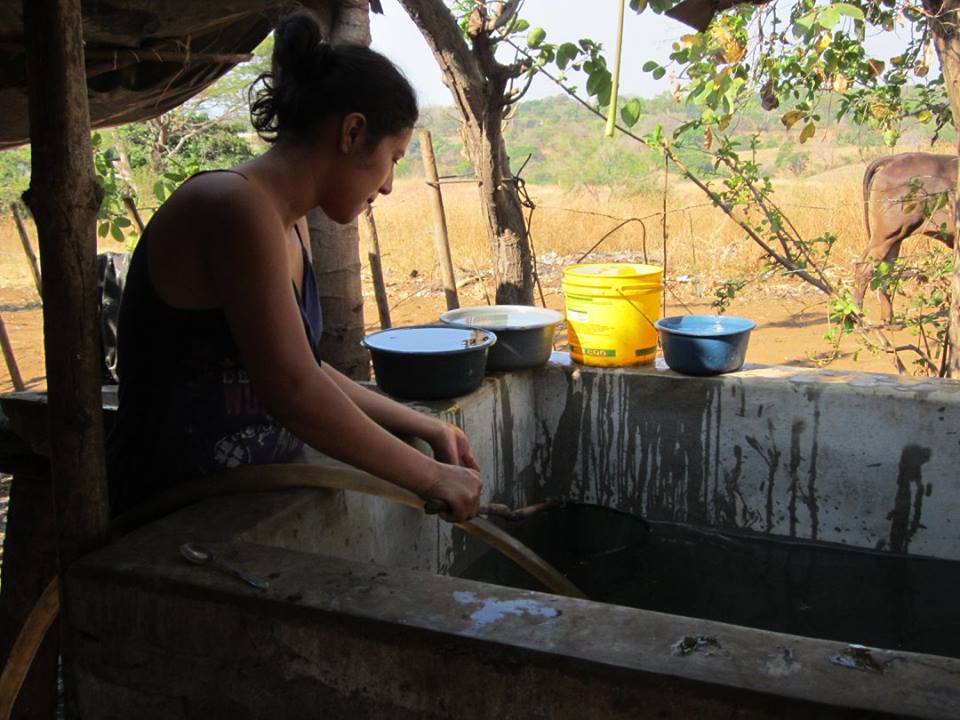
{"points": [[868, 175]]}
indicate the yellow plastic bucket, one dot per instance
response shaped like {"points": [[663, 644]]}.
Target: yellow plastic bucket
{"points": [[611, 311]]}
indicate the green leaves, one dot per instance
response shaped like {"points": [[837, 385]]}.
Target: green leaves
{"points": [[832, 14], [536, 37], [826, 18], [565, 53], [843, 314], [652, 67], [808, 132], [111, 216], [114, 227], [630, 112], [724, 293]]}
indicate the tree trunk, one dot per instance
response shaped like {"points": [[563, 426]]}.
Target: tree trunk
{"points": [[477, 82], [506, 228], [947, 43], [64, 198], [336, 262]]}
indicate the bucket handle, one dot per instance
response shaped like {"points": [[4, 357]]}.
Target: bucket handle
{"points": [[621, 293]]}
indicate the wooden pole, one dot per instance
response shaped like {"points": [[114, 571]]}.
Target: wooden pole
{"points": [[440, 240], [133, 213], [10, 359], [376, 269], [27, 247], [663, 220], [64, 198]]}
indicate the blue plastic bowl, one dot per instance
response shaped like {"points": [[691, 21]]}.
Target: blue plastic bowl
{"points": [[704, 344]]}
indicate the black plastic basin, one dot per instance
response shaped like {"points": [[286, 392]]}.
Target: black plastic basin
{"points": [[429, 362]]}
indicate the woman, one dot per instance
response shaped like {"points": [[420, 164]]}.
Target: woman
{"points": [[220, 321]]}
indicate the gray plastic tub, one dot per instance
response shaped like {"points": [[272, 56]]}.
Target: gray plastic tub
{"points": [[524, 333]]}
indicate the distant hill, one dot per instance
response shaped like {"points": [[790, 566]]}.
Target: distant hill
{"points": [[566, 146]]}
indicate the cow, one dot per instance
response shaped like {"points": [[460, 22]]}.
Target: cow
{"points": [[903, 195]]}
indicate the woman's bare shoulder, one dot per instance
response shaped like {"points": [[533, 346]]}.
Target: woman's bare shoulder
{"points": [[214, 227], [216, 201]]}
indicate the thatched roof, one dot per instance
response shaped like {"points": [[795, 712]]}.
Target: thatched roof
{"points": [[143, 57]]}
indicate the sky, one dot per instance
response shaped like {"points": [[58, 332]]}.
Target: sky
{"points": [[646, 37]]}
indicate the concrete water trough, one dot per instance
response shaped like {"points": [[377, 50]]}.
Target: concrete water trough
{"points": [[365, 618]]}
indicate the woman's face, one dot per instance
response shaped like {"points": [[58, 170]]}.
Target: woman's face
{"points": [[367, 173]]}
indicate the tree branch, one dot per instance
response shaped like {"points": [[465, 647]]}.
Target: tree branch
{"points": [[453, 55], [505, 14], [515, 97]]}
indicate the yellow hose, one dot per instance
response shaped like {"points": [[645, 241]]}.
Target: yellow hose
{"points": [[24, 650], [256, 478]]}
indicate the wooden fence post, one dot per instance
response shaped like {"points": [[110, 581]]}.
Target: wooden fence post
{"points": [[440, 240], [64, 198], [10, 359], [132, 212], [27, 248], [376, 268]]}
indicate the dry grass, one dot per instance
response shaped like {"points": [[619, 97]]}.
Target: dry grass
{"points": [[701, 239], [14, 270]]}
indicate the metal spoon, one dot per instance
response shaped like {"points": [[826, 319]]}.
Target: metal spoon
{"points": [[202, 555]]}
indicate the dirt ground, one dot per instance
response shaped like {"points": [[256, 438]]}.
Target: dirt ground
{"points": [[791, 322]]}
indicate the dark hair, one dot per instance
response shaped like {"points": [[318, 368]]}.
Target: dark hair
{"points": [[312, 80]]}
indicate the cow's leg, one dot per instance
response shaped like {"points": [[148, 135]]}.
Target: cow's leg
{"points": [[886, 248], [886, 302], [862, 269]]}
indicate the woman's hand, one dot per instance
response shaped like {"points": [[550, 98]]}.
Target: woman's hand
{"points": [[458, 488], [458, 484], [450, 445]]}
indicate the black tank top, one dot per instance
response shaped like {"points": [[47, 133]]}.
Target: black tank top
{"points": [[187, 408]]}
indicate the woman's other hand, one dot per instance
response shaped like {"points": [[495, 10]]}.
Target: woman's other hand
{"points": [[450, 445], [459, 489]]}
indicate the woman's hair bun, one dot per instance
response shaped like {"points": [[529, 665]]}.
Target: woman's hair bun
{"points": [[299, 48], [311, 80]]}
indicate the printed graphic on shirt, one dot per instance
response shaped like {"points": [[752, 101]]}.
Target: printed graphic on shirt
{"points": [[255, 444], [238, 395]]}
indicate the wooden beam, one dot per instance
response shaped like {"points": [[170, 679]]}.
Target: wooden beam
{"points": [[441, 242], [10, 359], [133, 212], [64, 198], [376, 268], [27, 247], [168, 52]]}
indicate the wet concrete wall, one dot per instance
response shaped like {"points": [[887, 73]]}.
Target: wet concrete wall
{"points": [[866, 460]]}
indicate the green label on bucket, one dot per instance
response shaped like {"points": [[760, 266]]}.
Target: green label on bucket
{"points": [[597, 352], [579, 297], [646, 350]]}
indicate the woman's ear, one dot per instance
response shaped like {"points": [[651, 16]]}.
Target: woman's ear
{"points": [[353, 131]]}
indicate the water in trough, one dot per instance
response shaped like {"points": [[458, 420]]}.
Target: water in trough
{"points": [[824, 590]]}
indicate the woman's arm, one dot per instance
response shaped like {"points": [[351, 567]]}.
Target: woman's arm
{"points": [[247, 266], [449, 443]]}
